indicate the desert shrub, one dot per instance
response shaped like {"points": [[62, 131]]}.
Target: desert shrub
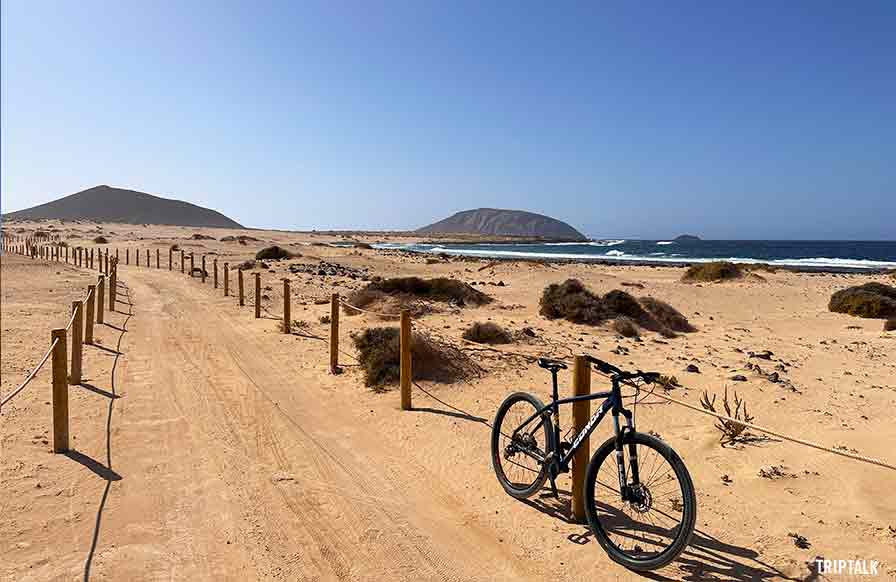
{"points": [[715, 271], [666, 315], [362, 298], [275, 253], [487, 333], [874, 300], [241, 238], [667, 382], [379, 352], [101, 240], [625, 327], [890, 325], [381, 302], [245, 265], [572, 301], [439, 289], [200, 236], [731, 430]]}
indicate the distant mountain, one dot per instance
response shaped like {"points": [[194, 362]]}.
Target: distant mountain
{"points": [[107, 204], [496, 222], [687, 238]]}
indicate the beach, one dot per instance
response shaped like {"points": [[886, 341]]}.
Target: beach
{"points": [[210, 445]]}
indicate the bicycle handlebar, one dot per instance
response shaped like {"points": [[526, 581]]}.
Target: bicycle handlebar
{"points": [[610, 369]]}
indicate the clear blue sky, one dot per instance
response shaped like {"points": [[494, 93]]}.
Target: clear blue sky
{"points": [[648, 119]]}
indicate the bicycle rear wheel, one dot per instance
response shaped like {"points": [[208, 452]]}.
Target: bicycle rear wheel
{"points": [[654, 526], [517, 450]]}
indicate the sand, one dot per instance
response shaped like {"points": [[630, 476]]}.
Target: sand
{"points": [[215, 447]]}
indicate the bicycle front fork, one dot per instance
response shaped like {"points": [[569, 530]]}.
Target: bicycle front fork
{"points": [[628, 491]]}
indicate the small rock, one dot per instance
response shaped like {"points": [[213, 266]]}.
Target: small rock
{"points": [[739, 378], [692, 368]]}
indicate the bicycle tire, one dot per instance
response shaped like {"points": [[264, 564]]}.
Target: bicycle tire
{"points": [[688, 503], [518, 490]]}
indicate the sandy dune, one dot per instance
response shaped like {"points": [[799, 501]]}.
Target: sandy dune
{"points": [[215, 447]]}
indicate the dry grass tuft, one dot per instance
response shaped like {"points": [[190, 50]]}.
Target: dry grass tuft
{"points": [[715, 271], [379, 352], [874, 300], [487, 333]]}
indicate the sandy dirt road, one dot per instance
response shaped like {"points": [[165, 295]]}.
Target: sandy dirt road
{"points": [[252, 480]]}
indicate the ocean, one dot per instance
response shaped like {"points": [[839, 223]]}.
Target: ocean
{"points": [[809, 255]]}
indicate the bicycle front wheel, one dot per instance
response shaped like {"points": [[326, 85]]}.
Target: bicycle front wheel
{"points": [[518, 449], [654, 523]]}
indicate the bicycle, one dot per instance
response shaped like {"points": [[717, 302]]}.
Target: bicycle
{"points": [[643, 523]]}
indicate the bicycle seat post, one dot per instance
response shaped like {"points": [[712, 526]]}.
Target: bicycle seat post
{"points": [[554, 390]]}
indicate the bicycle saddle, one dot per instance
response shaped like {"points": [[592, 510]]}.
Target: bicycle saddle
{"points": [[552, 365]]}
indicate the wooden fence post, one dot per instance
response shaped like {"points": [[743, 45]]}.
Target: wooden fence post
{"points": [[157, 259], [215, 266], [127, 256], [91, 258], [226, 279], [60, 392], [91, 313], [113, 286], [170, 253], [257, 295], [181, 260], [239, 279], [66, 255], [334, 333], [77, 342], [581, 412], [405, 379], [287, 316], [100, 298], [192, 263], [203, 268]]}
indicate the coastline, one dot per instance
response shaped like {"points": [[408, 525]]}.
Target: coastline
{"points": [[638, 262]]}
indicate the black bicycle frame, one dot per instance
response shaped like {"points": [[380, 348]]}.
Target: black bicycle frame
{"points": [[612, 403]]}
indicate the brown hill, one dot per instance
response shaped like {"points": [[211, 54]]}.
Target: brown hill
{"points": [[497, 222], [107, 204]]}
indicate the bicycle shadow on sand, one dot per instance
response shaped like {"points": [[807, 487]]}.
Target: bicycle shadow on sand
{"points": [[707, 558]]}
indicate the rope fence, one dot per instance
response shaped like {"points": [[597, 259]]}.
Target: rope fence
{"points": [[84, 314], [31, 376]]}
